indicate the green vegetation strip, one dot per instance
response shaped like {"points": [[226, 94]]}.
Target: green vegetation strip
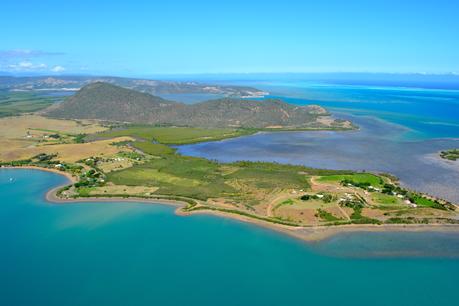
{"points": [[245, 214], [174, 135]]}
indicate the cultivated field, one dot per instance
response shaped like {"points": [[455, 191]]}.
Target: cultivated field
{"points": [[25, 136], [18, 126]]}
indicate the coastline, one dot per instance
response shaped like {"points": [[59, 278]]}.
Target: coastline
{"points": [[315, 234], [310, 234]]}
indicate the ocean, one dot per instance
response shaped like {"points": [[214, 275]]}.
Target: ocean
{"points": [[424, 113], [144, 254]]}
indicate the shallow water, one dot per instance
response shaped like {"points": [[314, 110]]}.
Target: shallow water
{"points": [[375, 147], [426, 113], [141, 254]]}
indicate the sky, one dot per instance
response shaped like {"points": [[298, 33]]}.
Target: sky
{"points": [[142, 38]]}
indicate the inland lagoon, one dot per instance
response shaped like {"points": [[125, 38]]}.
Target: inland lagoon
{"points": [[144, 254]]}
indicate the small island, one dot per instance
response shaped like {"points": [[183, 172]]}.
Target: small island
{"points": [[452, 154]]}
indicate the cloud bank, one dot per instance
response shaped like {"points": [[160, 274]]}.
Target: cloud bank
{"points": [[29, 60]]}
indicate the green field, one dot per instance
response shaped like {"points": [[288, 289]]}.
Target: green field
{"points": [[174, 135], [372, 179], [258, 176], [15, 103], [421, 201], [386, 199], [155, 149], [176, 175], [200, 178]]}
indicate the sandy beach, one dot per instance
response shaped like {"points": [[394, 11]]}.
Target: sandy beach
{"points": [[318, 233]]}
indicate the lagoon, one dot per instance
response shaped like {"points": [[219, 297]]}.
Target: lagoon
{"points": [[143, 254]]}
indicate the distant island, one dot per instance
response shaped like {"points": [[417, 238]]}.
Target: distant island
{"points": [[452, 154], [118, 143]]}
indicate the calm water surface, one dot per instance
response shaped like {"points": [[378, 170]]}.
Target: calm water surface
{"points": [[140, 254]]}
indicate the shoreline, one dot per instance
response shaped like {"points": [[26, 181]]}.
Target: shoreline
{"points": [[309, 234], [315, 234]]}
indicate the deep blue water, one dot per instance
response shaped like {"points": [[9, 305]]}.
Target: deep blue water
{"points": [[141, 254]]}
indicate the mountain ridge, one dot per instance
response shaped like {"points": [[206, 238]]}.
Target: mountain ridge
{"points": [[154, 87]]}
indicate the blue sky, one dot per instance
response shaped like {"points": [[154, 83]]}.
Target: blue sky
{"points": [[141, 38]]}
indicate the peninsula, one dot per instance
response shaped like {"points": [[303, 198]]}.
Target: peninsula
{"points": [[119, 143]]}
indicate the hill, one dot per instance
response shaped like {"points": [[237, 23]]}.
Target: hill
{"points": [[112, 103]]}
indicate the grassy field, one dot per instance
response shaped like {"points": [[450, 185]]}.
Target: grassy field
{"points": [[268, 178], [116, 189], [18, 126], [372, 179], [173, 135], [23, 136], [248, 182], [386, 199], [65, 152], [176, 175], [155, 149], [15, 103], [418, 200]]}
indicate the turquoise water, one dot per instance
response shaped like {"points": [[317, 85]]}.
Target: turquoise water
{"points": [[140, 254], [426, 113]]}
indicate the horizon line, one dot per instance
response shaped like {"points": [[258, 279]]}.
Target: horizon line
{"points": [[38, 74]]}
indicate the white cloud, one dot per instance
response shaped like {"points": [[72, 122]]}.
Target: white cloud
{"points": [[27, 66], [57, 69]]}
